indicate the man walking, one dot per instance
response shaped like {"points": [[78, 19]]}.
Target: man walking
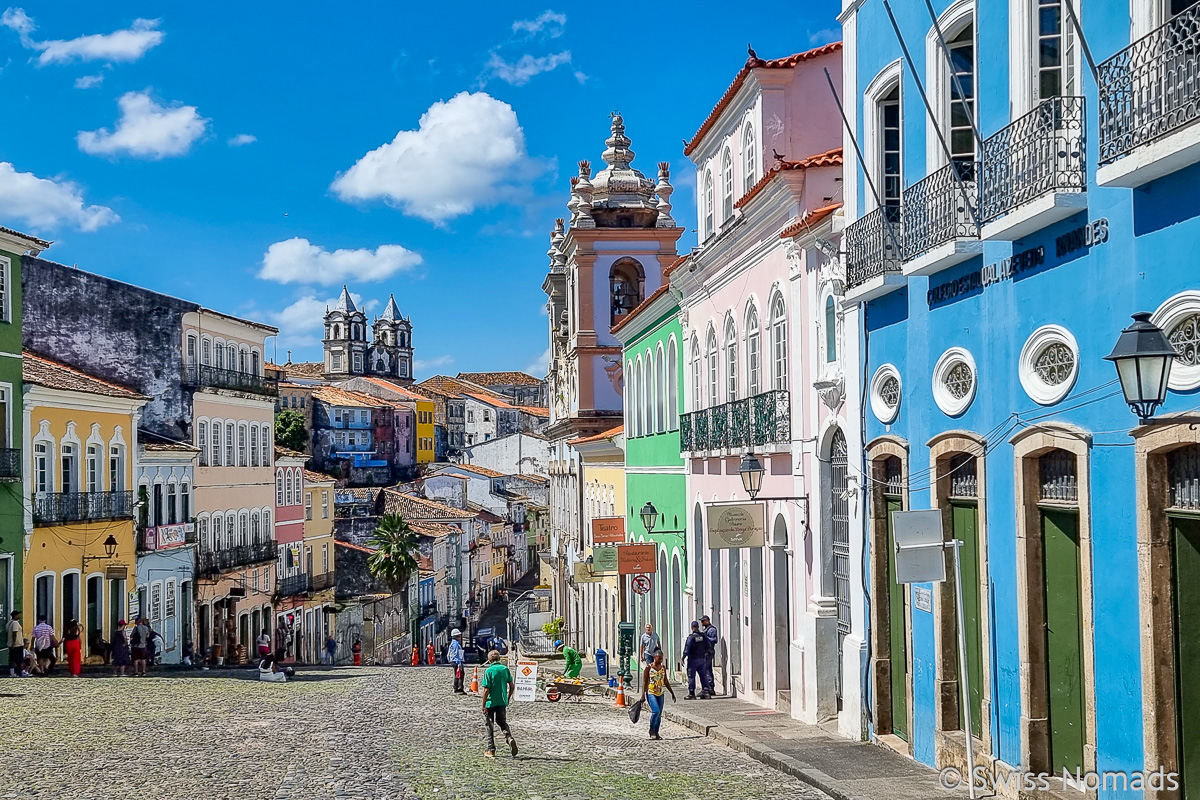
{"points": [[650, 645], [44, 643], [14, 639], [456, 657], [497, 686], [695, 652], [706, 671], [330, 649]]}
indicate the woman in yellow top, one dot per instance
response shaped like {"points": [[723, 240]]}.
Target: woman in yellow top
{"points": [[654, 678]]}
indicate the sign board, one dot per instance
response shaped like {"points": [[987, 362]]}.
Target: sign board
{"points": [[604, 560], [642, 584], [584, 575], [165, 536], [735, 525], [923, 598], [637, 559], [542, 591], [920, 550], [525, 678], [608, 530]]}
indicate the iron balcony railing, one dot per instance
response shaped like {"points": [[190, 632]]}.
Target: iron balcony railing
{"points": [[752, 422], [212, 561], [938, 209], [323, 580], [52, 508], [1151, 88], [1038, 154], [874, 245], [292, 585], [10, 464], [217, 378], [351, 425]]}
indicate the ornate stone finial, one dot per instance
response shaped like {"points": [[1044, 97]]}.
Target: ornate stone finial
{"points": [[664, 190], [558, 259], [583, 187], [573, 203], [618, 153]]}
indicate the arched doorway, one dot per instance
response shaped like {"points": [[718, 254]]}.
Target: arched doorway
{"points": [[667, 633], [758, 639], [839, 545], [735, 612], [676, 610], [697, 561], [781, 583]]}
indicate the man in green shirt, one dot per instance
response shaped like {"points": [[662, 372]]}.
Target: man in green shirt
{"points": [[497, 685], [572, 663]]}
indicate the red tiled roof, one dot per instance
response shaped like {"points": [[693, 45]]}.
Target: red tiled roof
{"points": [[657, 293], [283, 452], [344, 397], [307, 369], [831, 158], [351, 546], [484, 471], [411, 507], [810, 220], [536, 411], [398, 389], [499, 378], [317, 477], [433, 529], [754, 63], [599, 437], [53, 375]]}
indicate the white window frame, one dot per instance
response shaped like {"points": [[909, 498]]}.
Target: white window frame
{"points": [[951, 22], [880, 87], [1023, 19], [749, 157], [5, 289]]}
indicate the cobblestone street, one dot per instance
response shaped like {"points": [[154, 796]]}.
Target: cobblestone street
{"points": [[352, 733]]}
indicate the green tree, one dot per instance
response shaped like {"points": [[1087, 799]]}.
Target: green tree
{"points": [[396, 549], [290, 431]]}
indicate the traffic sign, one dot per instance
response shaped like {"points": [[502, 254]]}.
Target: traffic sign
{"points": [[641, 584], [526, 681]]}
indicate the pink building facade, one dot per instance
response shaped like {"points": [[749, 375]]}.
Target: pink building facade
{"points": [[763, 378]]}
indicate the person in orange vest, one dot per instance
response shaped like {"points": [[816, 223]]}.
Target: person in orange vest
{"points": [[416, 655], [357, 650], [430, 654]]}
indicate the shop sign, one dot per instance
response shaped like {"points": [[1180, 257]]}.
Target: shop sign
{"points": [[584, 575], [608, 530], [168, 536], [604, 560], [637, 559], [736, 525]]}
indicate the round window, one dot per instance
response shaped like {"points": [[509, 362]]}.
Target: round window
{"points": [[1049, 364], [954, 381], [885, 393]]}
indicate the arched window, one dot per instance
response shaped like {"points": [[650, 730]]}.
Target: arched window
{"points": [[233, 357], [731, 361], [243, 529], [753, 354], [697, 369], [727, 184], [750, 153], [254, 445], [625, 280], [93, 476], [215, 460], [230, 530], [644, 396], [830, 331], [660, 393], [266, 445], [242, 454], [206, 351], [229, 447], [714, 378], [708, 206], [243, 360], [779, 342], [254, 526], [202, 442], [672, 386], [220, 353], [630, 398], [279, 497]]}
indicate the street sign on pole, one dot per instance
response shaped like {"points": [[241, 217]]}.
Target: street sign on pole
{"points": [[641, 584], [920, 551], [736, 525], [525, 679]]}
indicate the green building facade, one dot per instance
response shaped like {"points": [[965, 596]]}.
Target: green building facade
{"points": [[654, 471], [12, 458]]}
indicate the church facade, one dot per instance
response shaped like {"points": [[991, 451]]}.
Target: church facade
{"points": [[348, 353]]}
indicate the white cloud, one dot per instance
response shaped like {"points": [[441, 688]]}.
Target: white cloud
{"points": [[241, 139], [88, 81], [549, 23], [581, 77], [146, 129], [527, 66], [461, 154], [824, 36], [46, 203], [539, 367], [297, 260], [128, 44], [420, 365]]}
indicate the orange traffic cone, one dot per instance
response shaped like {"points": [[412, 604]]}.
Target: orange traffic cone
{"points": [[620, 693], [475, 682]]}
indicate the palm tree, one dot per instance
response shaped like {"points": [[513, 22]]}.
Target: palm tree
{"points": [[396, 548]]}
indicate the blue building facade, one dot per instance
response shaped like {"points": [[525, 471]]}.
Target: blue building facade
{"points": [[989, 270]]}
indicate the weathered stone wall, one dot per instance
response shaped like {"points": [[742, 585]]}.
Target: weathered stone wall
{"points": [[356, 530], [125, 334]]}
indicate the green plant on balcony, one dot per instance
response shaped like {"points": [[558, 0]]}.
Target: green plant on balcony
{"points": [[553, 628]]}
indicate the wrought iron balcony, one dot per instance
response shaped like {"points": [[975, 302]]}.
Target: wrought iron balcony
{"points": [[217, 378], [752, 422], [323, 580], [10, 464], [52, 508], [937, 209], [874, 246], [1041, 153], [1151, 88], [216, 560], [292, 585]]}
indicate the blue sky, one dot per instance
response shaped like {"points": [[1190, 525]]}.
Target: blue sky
{"points": [[253, 157]]}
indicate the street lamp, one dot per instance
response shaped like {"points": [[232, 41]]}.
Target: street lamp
{"points": [[1143, 356], [110, 550], [649, 515], [751, 471]]}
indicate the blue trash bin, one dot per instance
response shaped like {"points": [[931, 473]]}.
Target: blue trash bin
{"points": [[601, 662]]}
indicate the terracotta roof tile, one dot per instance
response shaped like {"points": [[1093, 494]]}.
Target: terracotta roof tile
{"points": [[810, 220], [434, 529], [170, 447], [657, 293], [398, 389], [344, 397], [599, 437], [536, 411], [751, 64], [411, 507], [306, 369], [317, 477], [500, 378], [283, 452], [352, 546], [453, 387], [831, 158], [53, 375]]}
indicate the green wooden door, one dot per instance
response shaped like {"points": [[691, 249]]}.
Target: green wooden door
{"points": [[898, 633], [1185, 535], [1064, 638], [966, 530]]}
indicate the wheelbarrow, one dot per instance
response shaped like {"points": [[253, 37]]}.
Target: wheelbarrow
{"points": [[568, 689]]}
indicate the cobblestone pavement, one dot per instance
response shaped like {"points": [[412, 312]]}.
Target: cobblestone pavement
{"points": [[380, 733]]}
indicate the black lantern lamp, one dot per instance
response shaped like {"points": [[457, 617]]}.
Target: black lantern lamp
{"points": [[1143, 356], [110, 546], [751, 471], [649, 516]]}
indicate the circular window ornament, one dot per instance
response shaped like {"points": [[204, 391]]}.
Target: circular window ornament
{"points": [[886, 390], [954, 381], [1049, 364], [1179, 317]]}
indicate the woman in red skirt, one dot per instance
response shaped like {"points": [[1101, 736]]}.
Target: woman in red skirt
{"points": [[72, 646]]}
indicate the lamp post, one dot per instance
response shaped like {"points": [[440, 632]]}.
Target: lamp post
{"points": [[649, 516], [110, 550], [1143, 357], [751, 472]]}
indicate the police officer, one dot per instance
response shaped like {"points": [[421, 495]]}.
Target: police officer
{"points": [[706, 669], [695, 652]]}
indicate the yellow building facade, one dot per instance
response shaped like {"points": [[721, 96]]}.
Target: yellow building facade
{"points": [[425, 436], [597, 604], [319, 611], [80, 545]]}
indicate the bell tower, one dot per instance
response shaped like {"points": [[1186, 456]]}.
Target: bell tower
{"points": [[345, 339]]}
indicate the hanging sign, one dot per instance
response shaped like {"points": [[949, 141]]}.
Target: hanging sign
{"points": [[735, 525], [637, 559], [584, 575], [604, 560], [608, 530], [525, 678], [920, 548]]}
